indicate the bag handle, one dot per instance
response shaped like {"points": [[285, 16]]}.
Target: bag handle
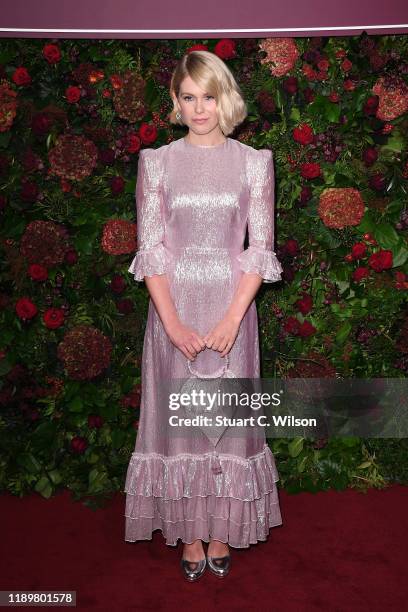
{"points": [[217, 374]]}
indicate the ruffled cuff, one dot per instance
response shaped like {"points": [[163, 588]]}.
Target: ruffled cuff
{"points": [[261, 261], [148, 262]]}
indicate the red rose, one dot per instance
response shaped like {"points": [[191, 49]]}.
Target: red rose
{"points": [[38, 272], [29, 192], [147, 133], [95, 421], [118, 284], [21, 76], [225, 48], [71, 257], [291, 247], [78, 444], [72, 94], [371, 105], [305, 304], [349, 85], [310, 170], [197, 47], [346, 65], [125, 306], [308, 94], [323, 64], [381, 260], [370, 156], [360, 273], [358, 250], [133, 145], [116, 184], [52, 53], [303, 134], [25, 308], [334, 96], [291, 325], [306, 329], [53, 318], [377, 181], [305, 194], [290, 85]]}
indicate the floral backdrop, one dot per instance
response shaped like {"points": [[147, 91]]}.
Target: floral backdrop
{"points": [[73, 116]]}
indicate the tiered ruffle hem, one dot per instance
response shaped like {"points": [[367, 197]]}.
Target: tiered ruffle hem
{"points": [[188, 496]]}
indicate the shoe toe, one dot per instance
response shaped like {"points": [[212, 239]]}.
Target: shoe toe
{"points": [[220, 566], [192, 570]]}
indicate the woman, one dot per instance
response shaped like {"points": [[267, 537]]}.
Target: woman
{"points": [[195, 198]]}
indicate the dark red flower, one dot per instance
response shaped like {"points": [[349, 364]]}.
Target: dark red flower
{"points": [[291, 247], [52, 53], [125, 306], [21, 76], [72, 94], [305, 304], [118, 284], [116, 184], [370, 155], [95, 421], [306, 329], [148, 133], [358, 250], [371, 105], [377, 181], [290, 85], [305, 194], [303, 134], [53, 318], [38, 272], [71, 257], [346, 65], [79, 444], [25, 308], [197, 47], [291, 325], [381, 260], [310, 170], [225, 48], [360, 273]]}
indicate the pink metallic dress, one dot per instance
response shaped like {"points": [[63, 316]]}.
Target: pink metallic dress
{"points": [[194, 204]]}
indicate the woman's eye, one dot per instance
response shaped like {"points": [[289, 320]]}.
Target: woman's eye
{"points": [[189, 97]]}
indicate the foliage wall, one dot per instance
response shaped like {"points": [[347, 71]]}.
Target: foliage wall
{"points": [[73, 116]]}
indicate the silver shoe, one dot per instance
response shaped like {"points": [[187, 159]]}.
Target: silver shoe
{"points": [[192, 570], [220, 566]]}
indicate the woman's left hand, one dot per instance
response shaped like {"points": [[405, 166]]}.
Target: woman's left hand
{"points": [[222, 336]]}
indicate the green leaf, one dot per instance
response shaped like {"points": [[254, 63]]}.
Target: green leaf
{"points": [[29, 462], [295, 447], [343, 332], [367, 223], [399, 255], [76, 404], [294, 114], [44, 487], [395, 143], [386, 235]]}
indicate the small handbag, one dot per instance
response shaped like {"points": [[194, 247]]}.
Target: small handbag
{"points": [[210, 383]]}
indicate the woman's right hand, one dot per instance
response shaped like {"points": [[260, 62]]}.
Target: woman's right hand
{"points": [[186, 340]]}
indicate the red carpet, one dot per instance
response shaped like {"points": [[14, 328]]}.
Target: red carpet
{"points": [[335, 552]]}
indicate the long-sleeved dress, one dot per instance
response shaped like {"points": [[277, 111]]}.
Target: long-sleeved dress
{"points": [[194, 204]]}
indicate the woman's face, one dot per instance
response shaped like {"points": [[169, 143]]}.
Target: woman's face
{"points": [[197, 104]]}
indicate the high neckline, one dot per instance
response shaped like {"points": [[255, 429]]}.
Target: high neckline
{"points": [[196, 146]]}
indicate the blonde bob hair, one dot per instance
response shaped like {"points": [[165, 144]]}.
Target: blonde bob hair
{"points": [[214, 77]]}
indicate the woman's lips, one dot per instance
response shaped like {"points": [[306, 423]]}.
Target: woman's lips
{"points": [[199, 120]]}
